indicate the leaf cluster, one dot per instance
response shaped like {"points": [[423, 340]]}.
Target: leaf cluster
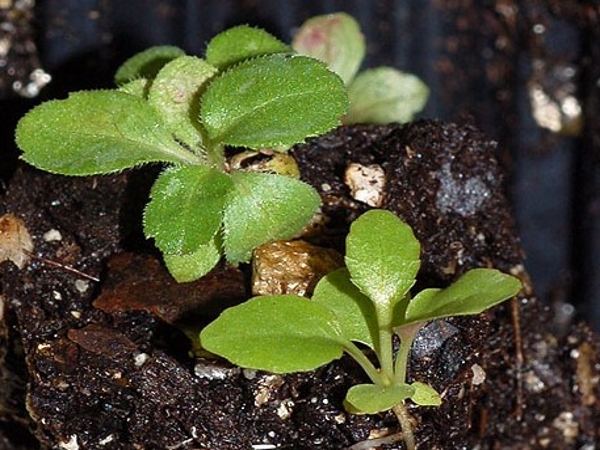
{"points": [[379, 95], [251, 90], [367, 302]]}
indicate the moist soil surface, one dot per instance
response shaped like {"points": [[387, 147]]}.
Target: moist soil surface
{"points": [[94, 356]]}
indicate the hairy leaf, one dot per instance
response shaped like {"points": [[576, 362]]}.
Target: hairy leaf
{"points": [[175, 93], [279, 333], [425, 395], [242, 42], [147, 63], [354, 311], [372, 399], [473, 293], [385, 95], [138, 87], [186, 208], [96, 132], [195, 265], [274, 100], [265, 207], [382, 255], [334, 39]]}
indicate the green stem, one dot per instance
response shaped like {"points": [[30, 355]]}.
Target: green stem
{"points": [[364, 362], [386, 348], [215, 156], [407, 334], [405, 421]]}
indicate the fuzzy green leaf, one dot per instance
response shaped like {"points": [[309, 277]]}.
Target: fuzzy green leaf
{"points": [[372, 399], [354, 311], [265, 207], [186, 208], [334, 39], [190, 267], [425, 395], [147, 63], [96, 132], [242, 42], [271, 101], [382, 255], [473, 293], [138, 87], [385, 95], [280, 333], [175, 93]]}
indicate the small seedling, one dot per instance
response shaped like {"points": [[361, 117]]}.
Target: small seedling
{"points": [[366, 303], [250, 90], [379, 95]]}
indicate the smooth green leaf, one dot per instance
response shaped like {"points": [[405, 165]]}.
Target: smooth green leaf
{"points": [[175, 93], [279, 333], [265, 207], [385, 95], [274, 100], [372, 399], [424, 296], [96, 132], [354, 311], [192, 266], [242, 42], [382, 255], [425, 395], [473, 293], [186, 208], [147, 63], [336, 40]]}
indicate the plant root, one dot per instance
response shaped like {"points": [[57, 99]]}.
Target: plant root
{"points": [[370, 444]]}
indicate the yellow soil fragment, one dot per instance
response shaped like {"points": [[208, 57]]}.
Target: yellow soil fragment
{"points": [[15, 241]]}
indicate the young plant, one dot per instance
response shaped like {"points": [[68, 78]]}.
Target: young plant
{"points": [[380, 95], [368, 302], [250, 90]]}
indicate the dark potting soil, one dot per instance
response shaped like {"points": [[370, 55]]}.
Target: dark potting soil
{"points": [[120, 377]]}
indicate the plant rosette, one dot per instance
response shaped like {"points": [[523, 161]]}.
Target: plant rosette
{"points": [[379, 95], [250, 91], [368, 303]]}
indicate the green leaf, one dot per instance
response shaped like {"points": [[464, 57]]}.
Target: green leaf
{"points": [[190, 267], [382, 255], [175, 93], [263, 208], [138, 88], [334, 39], [354, 311], [274, 100], [147, 63], [425, 395], [384, 95], [473, 293], [242, 42], [186, 208], [279, 333], [96, 132], [372, 399]]}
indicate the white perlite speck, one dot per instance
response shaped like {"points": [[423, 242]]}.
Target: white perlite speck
{"points": [[366, 183], [52, 235], [71, 444]]}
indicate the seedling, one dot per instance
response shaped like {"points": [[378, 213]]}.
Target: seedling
{"points": [[366, 303], [379, 95], [250, 90]]}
